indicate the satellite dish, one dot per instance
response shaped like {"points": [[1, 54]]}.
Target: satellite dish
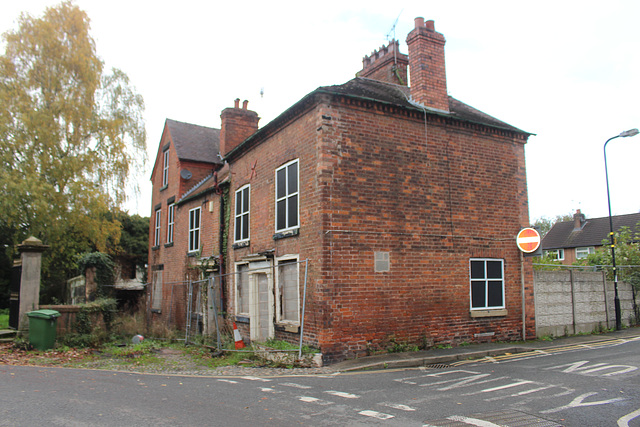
{"points": [[185, 174]]}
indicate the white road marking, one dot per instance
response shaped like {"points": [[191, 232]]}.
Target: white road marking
{"points": [[502, 387], [624, 421], [579, 368], [269, 390], [315, 400], [264, 380], [399, 406], [295, 385], [472, 421], [376, 414], [342, 394], [229, 381], [577, 402]]}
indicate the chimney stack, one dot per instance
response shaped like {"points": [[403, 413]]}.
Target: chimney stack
{"points": [[387, 65], [426, 66], [578, 220], [237, 125]]}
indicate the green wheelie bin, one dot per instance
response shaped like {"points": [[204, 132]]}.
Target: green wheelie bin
{"points": [[42, 328]]}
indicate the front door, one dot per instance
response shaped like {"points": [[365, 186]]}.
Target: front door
{"points": [[261, 303]]}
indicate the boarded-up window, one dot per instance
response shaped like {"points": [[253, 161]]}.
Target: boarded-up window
{"points": [[242, 289], [156, 288], [288, 291]]}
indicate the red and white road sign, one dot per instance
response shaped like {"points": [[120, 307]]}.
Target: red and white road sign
{"points": [[528, 240]]}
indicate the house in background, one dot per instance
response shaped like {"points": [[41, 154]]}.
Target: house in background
{"points": [[385, 213], [570, 241]]}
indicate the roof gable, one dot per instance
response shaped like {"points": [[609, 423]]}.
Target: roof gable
{"points": [[194, 142]]}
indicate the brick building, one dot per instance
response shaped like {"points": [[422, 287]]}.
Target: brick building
{"points": [[404, 201]]}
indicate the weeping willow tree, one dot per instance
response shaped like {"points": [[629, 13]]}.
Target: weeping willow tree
{"points": [[71, 135]]}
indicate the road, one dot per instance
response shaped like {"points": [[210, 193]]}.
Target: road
{"points": [[587, 385]]}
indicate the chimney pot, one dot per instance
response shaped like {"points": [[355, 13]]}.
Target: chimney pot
{"points": [[430, 25], [419, 22], [236, 103], [244, 104]]}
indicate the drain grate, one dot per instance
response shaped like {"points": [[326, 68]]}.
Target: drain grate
{"points": [[437, 366]]}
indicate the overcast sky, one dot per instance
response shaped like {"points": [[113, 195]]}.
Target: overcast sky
{"points": [[567, 71]]}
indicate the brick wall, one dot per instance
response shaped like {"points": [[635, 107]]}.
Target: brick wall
{"points": [[371, 180]]}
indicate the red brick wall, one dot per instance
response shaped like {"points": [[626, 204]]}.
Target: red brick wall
{"points": [[372, 180], [176, 262]]}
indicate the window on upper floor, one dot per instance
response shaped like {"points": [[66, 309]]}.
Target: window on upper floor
{"points": [[194, 229], [242, 214], [557, 254], [288, 292], [170, 222], [165, 168], [487, 283], [156, 236], [582, 253], [287, 197]]}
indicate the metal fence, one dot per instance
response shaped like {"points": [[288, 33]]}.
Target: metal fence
{"points": [[196, 307]]}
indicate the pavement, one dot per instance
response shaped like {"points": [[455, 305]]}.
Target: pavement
{"points": [[444, 356]]}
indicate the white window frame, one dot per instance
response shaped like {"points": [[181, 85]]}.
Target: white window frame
{"points": [[584, 252], [241, 212], [486, 281], [557, 254], [194, 229], [170, 222], [245, 290], [288, 196], [157, 227], [165, 168], [280, 316]]}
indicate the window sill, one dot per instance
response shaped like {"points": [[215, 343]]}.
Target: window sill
{"points": [[287, 327], [241, 245], [287, 233], [155, 248], [192, 254], [156, 310], [164, 187], [492, 312], [168, 245]]}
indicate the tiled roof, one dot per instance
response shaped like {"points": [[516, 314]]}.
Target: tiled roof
{"points": [[399, 95], [593, 232], [193, 142]]}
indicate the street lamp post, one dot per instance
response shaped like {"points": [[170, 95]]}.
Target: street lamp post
{"points": [[616, 299]]}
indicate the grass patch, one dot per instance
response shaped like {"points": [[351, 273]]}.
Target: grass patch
{"points": [[4, 318]]}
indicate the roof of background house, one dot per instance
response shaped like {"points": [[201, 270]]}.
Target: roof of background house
{"points": [[194, 142], [592, 233], [390, 93]]}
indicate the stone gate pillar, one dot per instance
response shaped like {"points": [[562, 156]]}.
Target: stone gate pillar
{"points": [[31, 259]]}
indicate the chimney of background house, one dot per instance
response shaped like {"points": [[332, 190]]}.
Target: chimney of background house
{"points": [[426, 66], [387, 65], [237, 125], [578, 220]]}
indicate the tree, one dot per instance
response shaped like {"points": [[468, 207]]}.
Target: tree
{"points": [[544, 224], [627, 256], [70, 135]]}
